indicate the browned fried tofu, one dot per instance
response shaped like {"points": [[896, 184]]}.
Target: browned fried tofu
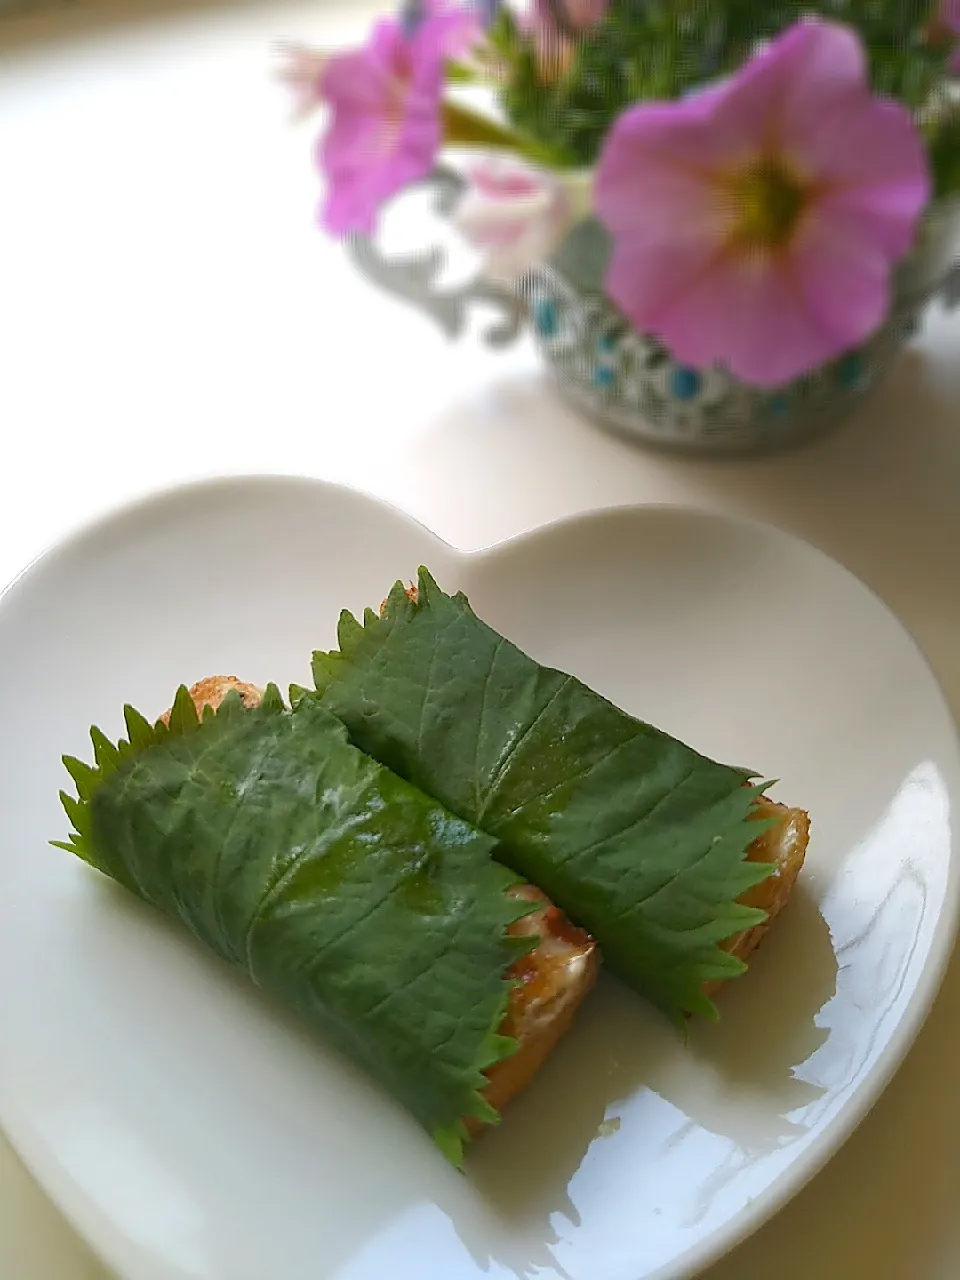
{"points": [[552, 982], [212, 691], [785, 846]]}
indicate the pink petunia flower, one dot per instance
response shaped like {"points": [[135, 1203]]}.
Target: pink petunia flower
{"points": [[516, 215], [386, 125], [756, 224], [302, 67]]}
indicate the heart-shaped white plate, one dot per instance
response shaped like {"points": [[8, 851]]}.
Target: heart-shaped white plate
{"points": [[192, 1131]]}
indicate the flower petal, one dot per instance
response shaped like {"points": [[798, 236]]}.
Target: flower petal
{"points": [[348, 79], [462, 26], [351, 143], [884, 220], [844, 280], [752, 317], [862, 141], [680, 134], [386, 128], [515, 215], [783, 86], [767, 320], [646, 286], [819, 63], [356, 182], [655, 176]]}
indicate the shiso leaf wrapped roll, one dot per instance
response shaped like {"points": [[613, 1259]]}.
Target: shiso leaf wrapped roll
{"points": [[337, 886], [638, 838]]}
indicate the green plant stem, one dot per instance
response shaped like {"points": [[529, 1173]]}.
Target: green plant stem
{"points": [[465, 128]]}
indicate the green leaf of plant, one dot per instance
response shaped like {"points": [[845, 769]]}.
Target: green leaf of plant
{"points": [[638, 838], [359, 902]]}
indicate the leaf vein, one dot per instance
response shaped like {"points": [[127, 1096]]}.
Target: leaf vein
{"points": [[511, 752]]}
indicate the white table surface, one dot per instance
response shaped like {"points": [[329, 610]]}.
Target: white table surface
{"points": [[168, 311]]}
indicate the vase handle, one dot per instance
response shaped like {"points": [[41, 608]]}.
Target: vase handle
{"points": [[412, 278]]}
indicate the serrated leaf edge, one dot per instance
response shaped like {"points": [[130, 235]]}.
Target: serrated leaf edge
{"points": [[109, 756], [184, 719]]}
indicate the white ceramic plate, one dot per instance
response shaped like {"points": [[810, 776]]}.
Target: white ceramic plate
{"points": [[193, 1132]]}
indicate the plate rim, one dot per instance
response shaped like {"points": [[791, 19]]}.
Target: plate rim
{"points": [[802, 1170]]}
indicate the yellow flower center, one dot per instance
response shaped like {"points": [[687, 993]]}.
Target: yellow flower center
{"points": [[768, 201]]}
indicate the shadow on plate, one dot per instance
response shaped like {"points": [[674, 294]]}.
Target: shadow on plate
{"points": [[739, 1078]]}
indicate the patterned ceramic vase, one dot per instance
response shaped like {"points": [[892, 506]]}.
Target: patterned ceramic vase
{"points": [[628, 382]]}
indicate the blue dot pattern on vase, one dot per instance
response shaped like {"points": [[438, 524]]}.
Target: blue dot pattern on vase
{"points": [[686, 384], [779, 405], [607, 343], [545, 319], [604, 376], [852, 373]]}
